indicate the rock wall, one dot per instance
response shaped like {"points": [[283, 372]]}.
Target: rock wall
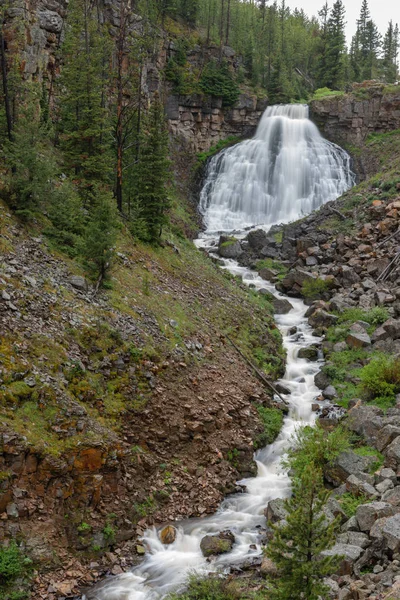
{"points": [[348, 119], [200, 121]]}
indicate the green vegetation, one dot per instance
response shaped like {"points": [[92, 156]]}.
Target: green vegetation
{"points": [[275, 265], [314, 446], [217, 80], [315, 288], [326, 93], [350, 503], [202, 157], [369, 451], [217, 587], [272, 419], [296, 546], [14, 571]]}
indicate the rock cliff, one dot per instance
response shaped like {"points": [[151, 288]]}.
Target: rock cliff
{"points": [[350, 118]]}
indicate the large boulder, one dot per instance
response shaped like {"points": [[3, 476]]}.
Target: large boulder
{"points": [[366, 421], [212, 545], [310, 353], [348, 463], [257, 239], [389, 529], [321, 318], [392, 496], [392, 453], [386, 436], [349, 276], [358, 487], [229, 247], [367, 514], [294, 281], [358, 339], [281, 306], [349, 555], [275, 510]]}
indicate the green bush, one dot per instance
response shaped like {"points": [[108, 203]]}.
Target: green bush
{"points": [[211, 588], [217, 80], [381, 377], [13, 566], [350, 503], [325, 93], [272, 419], [313, 445], [313, 288]]}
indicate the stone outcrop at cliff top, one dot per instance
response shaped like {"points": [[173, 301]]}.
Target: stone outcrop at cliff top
{"points": [[349, 118]]}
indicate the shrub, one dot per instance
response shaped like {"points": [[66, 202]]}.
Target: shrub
{"points": [[313, 445], [272, 419], [325, 93], [211, 588], [313, 288], [350, 503], [381, 377]]}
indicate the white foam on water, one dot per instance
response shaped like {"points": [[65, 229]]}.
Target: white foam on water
{"points": [[285, 172]]}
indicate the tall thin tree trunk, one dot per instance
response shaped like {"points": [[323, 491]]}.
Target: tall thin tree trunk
{"points": [[228, 22], [5, 85]]}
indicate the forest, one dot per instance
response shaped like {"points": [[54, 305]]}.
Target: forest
{"points": [[86, 142]]}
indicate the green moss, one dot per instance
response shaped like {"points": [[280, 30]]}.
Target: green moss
{"points": [[17, 391], [313, 288], [275, 265]]}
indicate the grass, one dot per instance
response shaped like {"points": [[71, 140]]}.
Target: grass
{"points": [[314, 288], [369, 451], [272, 419], [202, 157]]}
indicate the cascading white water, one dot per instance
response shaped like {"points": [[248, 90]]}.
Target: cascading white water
{"points": [[166, 568], [285, 172]]}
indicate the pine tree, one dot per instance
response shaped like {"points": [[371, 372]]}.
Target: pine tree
{"points": [[99, 237], [30, 157], [297, 546], [84, 125], [335, 47], [152, 174], [390, 51]]}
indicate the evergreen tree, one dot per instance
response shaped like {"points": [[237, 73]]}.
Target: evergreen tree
{"points": [[100, 234], [390, 51], [152, 174], [30, 157], [335, 48], [84, 125], [296, 547], [370, 51]]}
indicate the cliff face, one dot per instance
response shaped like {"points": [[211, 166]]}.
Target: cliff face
{"points": [[350, 118], [35, 29]]}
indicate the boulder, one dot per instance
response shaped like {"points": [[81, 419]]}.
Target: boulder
{"points": [[281, 306], [349, 276], [389, 529], [79, 283], [321, 380], [257, 239], [392, 327], [321, 318], [354, 538], [349, 555], [392, 496], [356, 486], [275, 510], [329, 393], [392, 453], [268, 274], [385, 474], [212, 545], [358, 339], [229, 247], [366, 421], [310, 353], [386, 436], [294, 280], [168, 535], [347, 463], [367, 514]]}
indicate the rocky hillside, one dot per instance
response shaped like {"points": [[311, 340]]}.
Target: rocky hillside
{"points": [[120, 408]]}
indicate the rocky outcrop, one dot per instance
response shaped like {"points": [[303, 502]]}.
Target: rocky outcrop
{"points": [[201, 121], [349, 118]]}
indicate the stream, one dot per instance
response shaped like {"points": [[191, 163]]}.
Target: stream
{"points": [[166, 568], [286, 171]]}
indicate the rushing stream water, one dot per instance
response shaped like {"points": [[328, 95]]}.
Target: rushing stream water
{"points": [[286, 170]]}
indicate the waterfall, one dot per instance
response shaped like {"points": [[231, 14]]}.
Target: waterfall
{"points": [[285, 172]]}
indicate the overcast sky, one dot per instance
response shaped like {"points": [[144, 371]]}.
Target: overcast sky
{"points": [[381, 11]]}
